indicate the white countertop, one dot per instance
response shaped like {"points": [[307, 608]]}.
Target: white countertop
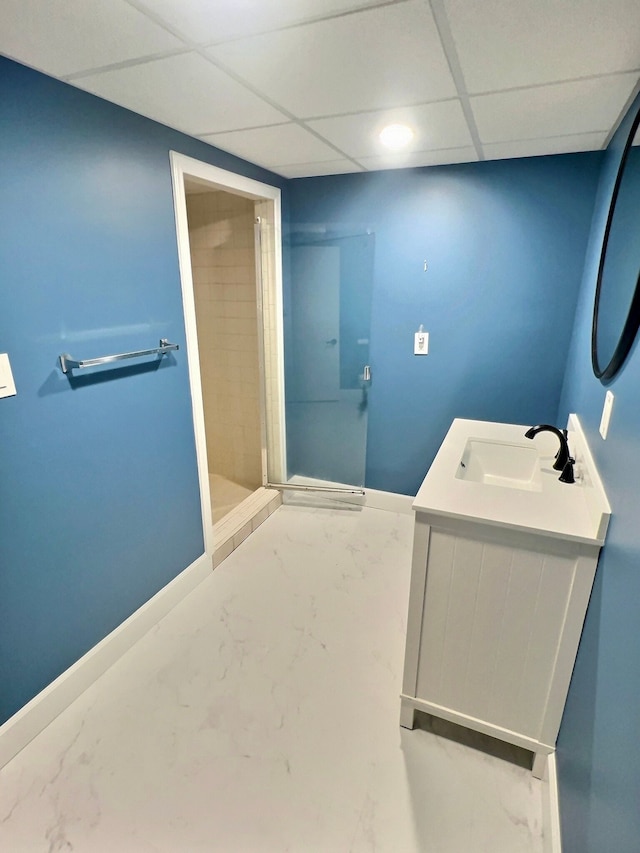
{"points": [[577, 512]]}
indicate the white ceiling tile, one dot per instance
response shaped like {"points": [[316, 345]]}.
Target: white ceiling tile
{"points": [[346, 67], [326, 167], [373, 59], [186, 92], [66, 36], [271, 146], [507, 43], [205, 22], [541, 147], [420, 158], [440, 125], [562, 109]]}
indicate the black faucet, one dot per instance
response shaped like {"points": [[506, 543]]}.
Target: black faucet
{"points": [[564, 461]]}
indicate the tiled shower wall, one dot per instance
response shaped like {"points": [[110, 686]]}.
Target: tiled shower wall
{"points": [[221, 234]]}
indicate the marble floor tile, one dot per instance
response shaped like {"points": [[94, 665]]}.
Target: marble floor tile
{"points": [[261, 716]]}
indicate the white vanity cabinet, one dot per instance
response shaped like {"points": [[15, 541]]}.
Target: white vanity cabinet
{"points": [[497, 603]]}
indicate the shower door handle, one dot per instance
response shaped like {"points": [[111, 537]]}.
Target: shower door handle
{"points": [[366, 373]]}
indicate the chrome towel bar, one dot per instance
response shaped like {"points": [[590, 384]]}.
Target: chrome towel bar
{"points": [[67, 363]]}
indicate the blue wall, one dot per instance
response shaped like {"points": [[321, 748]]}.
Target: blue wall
{"points": [[99, 497], [99, 502], [505, 245], [599, 771]]}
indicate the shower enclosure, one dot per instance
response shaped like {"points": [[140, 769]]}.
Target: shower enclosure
{"points": [[221, 237], [278, 364]]}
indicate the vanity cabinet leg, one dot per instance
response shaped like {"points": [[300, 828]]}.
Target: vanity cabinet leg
{"points": [[539, 765], [407, 714]]}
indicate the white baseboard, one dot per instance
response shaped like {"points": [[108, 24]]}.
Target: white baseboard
{"points": [[389, 501], [551, 808], [36, 715]]}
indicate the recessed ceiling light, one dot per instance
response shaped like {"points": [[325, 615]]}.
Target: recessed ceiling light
{"points": [[396, 136]]}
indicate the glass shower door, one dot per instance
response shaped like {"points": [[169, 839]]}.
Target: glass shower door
{"points": [[327, 312]]}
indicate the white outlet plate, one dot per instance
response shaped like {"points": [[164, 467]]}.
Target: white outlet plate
{"points": [[421, 343], [7, 385], [606, 414]]}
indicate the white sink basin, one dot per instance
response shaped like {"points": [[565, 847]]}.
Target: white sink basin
{"points": [[478, 457], [500, 463]]}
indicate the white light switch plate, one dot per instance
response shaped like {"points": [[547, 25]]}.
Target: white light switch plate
{"points": [[7, 385], [606, 414], [421, 343]]}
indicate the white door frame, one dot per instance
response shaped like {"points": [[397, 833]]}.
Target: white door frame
{"points": [[274, 416]]}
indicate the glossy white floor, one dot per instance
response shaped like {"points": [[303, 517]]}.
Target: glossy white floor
{"points": [[261, 716]]}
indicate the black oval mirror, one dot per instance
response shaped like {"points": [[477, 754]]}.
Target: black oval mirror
{"points": [[616, 313]]}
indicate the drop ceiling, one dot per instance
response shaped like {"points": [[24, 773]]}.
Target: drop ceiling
{"points": [[303, 87]]}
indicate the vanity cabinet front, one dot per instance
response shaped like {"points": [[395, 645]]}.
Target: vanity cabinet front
{"points": [[495, 618]]}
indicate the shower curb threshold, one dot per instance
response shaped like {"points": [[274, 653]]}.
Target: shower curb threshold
{"points": [[234, 528]]}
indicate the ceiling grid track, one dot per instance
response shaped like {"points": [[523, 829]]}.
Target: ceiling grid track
{"points": [[450, 50]]}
